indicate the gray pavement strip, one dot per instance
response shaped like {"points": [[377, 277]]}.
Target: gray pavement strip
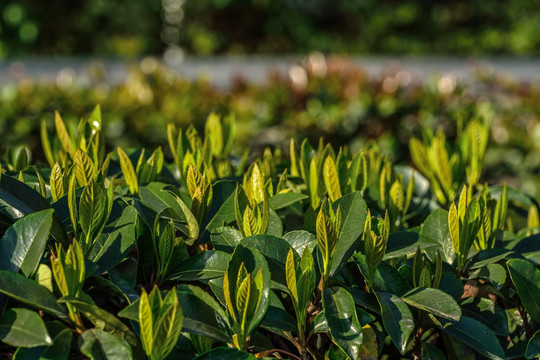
{"points": [[255, 69]]}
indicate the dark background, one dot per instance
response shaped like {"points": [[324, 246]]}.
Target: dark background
{"points": [[205, 27]]}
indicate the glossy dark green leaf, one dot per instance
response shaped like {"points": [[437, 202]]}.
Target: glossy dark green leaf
{"points": [[23, 244], [280, 201], [300, 239], [517, 351], [31, 293], [477, 336], [156, 196], [487, 257], [116, 239], [430, 352], [403, 243], [23, 328], [529, 247], [202, 314], [278, 319], [225, 238], [99, 345], [275, 251], [397, 319], [223, 353], [457, 350], [319, 324], [275, 226], [111, 290], [387, 278], [533, 346], [452, 286], [435, 228], [216, 285], [354, 213], [487, 312], [495, 273], [433, 301], [222, 208], [342, 320], [365, 300], [526, 279], [18, 199], [59, 350], [206, 265]]}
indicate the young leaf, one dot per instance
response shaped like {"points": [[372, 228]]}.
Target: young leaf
{"points": [[290, 270], [168, 327], [56, 182], [93, 212], [128, 171], [326, 239], [453, 226], [84, 168], [63, 135], [331, 179], [73, 208], [46, 144]]}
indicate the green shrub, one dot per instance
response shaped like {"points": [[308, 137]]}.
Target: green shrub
{"points": [[324, 253]]}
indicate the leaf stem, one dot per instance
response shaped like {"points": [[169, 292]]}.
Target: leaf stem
{"points": [[417, 351]]}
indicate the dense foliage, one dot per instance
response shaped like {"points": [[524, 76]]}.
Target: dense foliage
{"points": [[324, 253], [262, 26]]}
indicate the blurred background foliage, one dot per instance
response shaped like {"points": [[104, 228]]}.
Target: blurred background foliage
{"points": [[203, 27], [327, 97], [321, 97]]}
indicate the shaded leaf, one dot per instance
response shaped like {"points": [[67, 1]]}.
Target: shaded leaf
{"points": [[477, 336], [397, 319], [533, 346], [280, 201], [343, 323], [117, 238], [487, 312], [23, 244], [99, 345], [105, 321], [31, 293], [354, 213], [206, 265], [23, 328], [223, 353], [526, 279], [436, 228]]}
